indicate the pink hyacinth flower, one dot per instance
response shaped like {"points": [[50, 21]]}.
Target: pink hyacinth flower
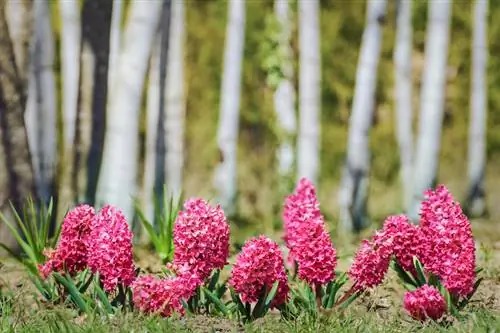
{"points": [[163, 296], [425, 302], [201, 238], [110, 249], [258, 266], [71, 252], [305, 236], [450, 253], [370, 265]]}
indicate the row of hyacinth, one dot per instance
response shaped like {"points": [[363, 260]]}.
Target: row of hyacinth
{"points": [[442, 242], [102, 242]]}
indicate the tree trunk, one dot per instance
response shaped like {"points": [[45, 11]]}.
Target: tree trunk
{"points": [[284, 97], [118, 177], [227, 136], [70, 62], [431, 103], [404, 105], [17, 181], [308, 141], [96, 18], [475, 203], [41, 109], [115, 40], [175, 101], [354, 186]]}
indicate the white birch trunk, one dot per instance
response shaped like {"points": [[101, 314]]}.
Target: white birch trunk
{"points": [[478, 111], [152, 117], [284, 96], [354, 187], [114, 41], [70, 59], [404, 105], [432, 102], [175, 101], [227, 136], [117, 181], [308, 140]]}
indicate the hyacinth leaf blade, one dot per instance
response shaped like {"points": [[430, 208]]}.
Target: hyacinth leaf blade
{"points": [[334, 287], [271, 294], [213, 280], [349, 300], [466, 300], [404, 275], [421, 279], [73, 292], [216, 301], [101, 295], [478, 270]]}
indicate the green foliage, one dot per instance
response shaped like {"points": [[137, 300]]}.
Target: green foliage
{"points": [[31, 230], [161, 232]]}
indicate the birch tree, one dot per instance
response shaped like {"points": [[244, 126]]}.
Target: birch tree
{"points": [[70, 59], [93, 92], [284, 96], [354, 186], [16, 178], [308, 139], [431, 102], [227, 136], [404, 105], [175, 101], [115, 40], [478, 111], [117, 180]]}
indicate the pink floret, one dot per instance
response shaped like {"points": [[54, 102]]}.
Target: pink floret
{"points": [[71, 253], [163, 296], [258, 266], [450, 253], [370, 265], [110, 249], [305, 236], [201, 238], [424, 303]]}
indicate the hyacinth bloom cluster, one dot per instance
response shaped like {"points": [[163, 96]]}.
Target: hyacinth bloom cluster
{"points": [[371, 263], [451, 250], [110, 249], [163, 296], [201, 238], [71, 253], [259, 266], [425, 302], [443, 242], [305, 236]]}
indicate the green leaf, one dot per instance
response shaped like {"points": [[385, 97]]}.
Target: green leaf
{"points": [[420, 271], [214, 280], [103, 297], [72, 290], [404, 275], [348, 301], [335, 287], [271, 294], [215, 300]]}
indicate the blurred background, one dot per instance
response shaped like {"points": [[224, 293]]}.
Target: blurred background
{"points": [[374, 101]]}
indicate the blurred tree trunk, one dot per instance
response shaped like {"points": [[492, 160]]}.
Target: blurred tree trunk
{"points": [[431, 103], [115, 40], [284, 97], [404, 106], [96, 18], [227, 136], [354, 186], [17, 180], [475, 203], [155, 144], [70, 62], [41, 109], [308, 140], [175, 104], [118, 176]]}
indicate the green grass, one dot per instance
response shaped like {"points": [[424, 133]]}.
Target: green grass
{"points": [[15, 319]]}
